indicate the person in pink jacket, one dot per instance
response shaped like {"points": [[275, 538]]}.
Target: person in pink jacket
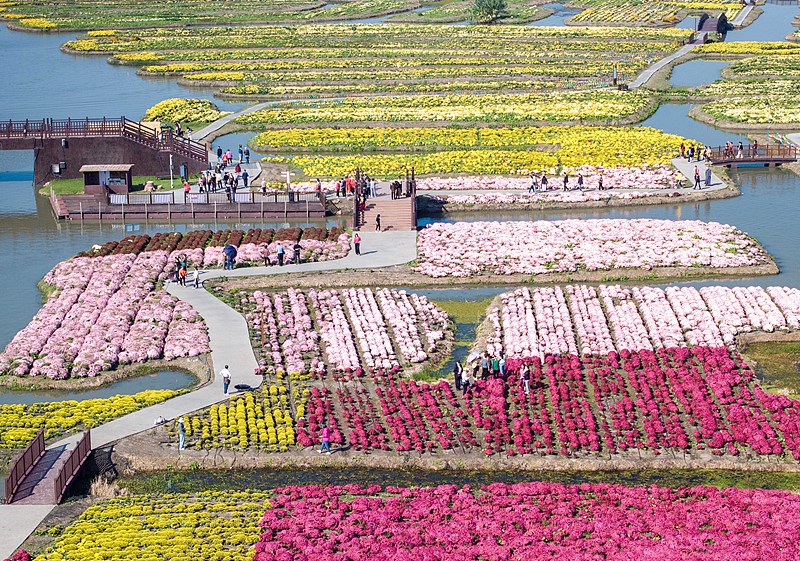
{"points": [[326, 440]]}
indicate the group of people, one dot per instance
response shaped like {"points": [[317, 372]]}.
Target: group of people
{"points": [[346, 186], [541, 183], [211, 181], [481, 367], [180, 273], [226, 157]]}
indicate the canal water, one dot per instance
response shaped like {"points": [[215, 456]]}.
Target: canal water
{"points": [[163, 380]]}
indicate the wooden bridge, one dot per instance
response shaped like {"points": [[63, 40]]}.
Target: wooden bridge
{"points": [[41, 476], [767, 155], [62, 146]]}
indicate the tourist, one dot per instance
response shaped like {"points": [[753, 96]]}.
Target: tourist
{"points": [[373, 188], [708, 176], [196, 278], [679, 179], [219, 154], [178, 129], [465, 382], [280, 251], [246, 154], [318, 187], [160, 420], [326, 440], [186, 187], [543, 182], [696, 179], [524, 378], [182, 276], [580, 182], [263, 185], [245, 177], [378, 223], [566, 182], [740, 151], [458, 371], [683, 150], [502, 366], [600, 182], [357, 243], [690, 154], [755, 148], [485, 366], [533, 185], [297, 249], [181, 434], [495, 361], [241, 154], [225, 374]]}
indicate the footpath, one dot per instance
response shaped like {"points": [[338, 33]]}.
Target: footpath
{"points": [[230, 344]]}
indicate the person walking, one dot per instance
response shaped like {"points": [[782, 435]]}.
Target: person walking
{"points": [[465, 382], [532, 186], [458, 370], [373, 188], [241, 154], [181, 434], [566, 182], [326, 441], [696, 179], [378, 223], [182, 276], [219, 154], [245, 177], [263, 185], [708, 177], [524, 378], [297, 249], [543, 182], [600, 182], [580, 182], [485, 365], [225, 374], [357, 243], [280, 251], [247, 154], [196, 278]]}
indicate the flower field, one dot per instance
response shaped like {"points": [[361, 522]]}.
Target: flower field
{"points": [[465, 249], [528, 521], [185, 111], [20, 423], [212, 525], [501, 150], [591, 321], [627, 12], [274, 62]]}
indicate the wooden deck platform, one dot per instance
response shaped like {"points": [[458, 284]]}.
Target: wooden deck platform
{"points": [[768, 155]]}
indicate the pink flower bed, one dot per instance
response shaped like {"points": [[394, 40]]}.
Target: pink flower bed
{"points": [[505, 199], [655, 177], [345, 332], [593, 321], [106, 311], [528, 521], [465, 249]]}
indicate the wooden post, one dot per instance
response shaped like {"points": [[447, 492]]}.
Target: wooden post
{"points": [[81, 209], [308, 212], [239, 206], [123, 212], [215, 210], [262, 209], [285, 210], [99, 211], [192, 205]]}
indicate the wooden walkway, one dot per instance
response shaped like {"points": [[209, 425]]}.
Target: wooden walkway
{"points": [[767, 155]]}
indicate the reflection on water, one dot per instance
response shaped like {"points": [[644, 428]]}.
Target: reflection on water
{"points": [[163, 380], [556, 19], [773, 25]]}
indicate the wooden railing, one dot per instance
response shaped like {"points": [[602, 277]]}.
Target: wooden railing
{"points": [[218, 197], [24, 464], [749, 153], [71, 467], [165, 141]]}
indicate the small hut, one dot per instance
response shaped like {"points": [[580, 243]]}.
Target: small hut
{"points": [[107, 178]]}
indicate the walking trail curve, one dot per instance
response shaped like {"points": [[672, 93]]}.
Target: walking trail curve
{"points": [[230, 344]]}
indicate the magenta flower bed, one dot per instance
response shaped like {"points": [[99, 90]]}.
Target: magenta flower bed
{"points": [[529, 521]]}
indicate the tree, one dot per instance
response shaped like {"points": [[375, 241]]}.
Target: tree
{"points": [[487, 11]]}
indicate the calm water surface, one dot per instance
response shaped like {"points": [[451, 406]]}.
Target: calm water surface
{"points": [[163, 380], [697, 73]]}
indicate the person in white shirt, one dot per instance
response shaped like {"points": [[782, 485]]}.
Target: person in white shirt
{"points": [[225, 374]]}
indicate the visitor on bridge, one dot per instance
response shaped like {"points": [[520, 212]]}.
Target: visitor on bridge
{"points": [[225, 374]]}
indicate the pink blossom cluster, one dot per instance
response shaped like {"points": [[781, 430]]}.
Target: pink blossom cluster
{"points": [[465, 249], [501, 200], [254, 254], [533, 521], [319, 412], [342, 332], [580, 319], [105, 311], [672, 399], [647, 177]]}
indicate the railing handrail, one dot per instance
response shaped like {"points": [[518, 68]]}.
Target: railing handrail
{"points": [[104, 126], [70, 468], [750, 152], [22, 466]]}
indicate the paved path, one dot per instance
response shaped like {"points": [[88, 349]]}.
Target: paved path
{"points": [[740, 17], [642, 78], [687, 169], [17, 522]]}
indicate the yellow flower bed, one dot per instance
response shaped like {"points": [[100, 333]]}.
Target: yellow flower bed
{"points": [[261, 420], [103, 33], [470, 150], [748, 48], [37, 23], [20, 423], [208, 526], [778, 109], [187, 110]]}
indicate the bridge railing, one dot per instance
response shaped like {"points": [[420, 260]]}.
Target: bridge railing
{"points": [[83, 128], [218, 197], [767, 152], [24, 464], [71, 467]]}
